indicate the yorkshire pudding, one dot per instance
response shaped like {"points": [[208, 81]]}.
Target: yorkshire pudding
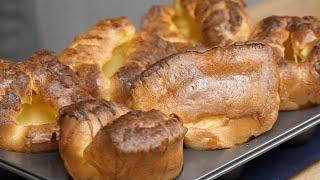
{"points": [[79, 124], [139, 145], [31, 93], [224, 95], [110, 55], [209, 22], [297, 45]]}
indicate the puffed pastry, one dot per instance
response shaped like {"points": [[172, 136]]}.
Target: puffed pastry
{"points": [[190, 22], [31, 93], [111, 55], [296, 42], [224, 95], [79, 124], [98, 144]]}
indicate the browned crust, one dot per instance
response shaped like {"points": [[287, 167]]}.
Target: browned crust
{"points": [[142, 51], [94, 46], [139, 145], [99, 110], [222, 22], [275, 30], [158, 20], [41, 74], [90, 51], [139, 131], [55, 82], [14, 78], [79, 124], [299, 85], [236, 81]]}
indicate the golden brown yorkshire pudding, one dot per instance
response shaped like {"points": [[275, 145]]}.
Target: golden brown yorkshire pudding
{"points": [[110, 55], [210, 22], [224, 95], [139, 145], [31, 93], [297, 45], [79, 124]]}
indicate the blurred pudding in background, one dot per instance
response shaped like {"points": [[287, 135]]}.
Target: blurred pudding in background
{"points": [[26, 26]]}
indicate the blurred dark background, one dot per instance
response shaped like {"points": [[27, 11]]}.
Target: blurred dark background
{"points": [[27, 25]]}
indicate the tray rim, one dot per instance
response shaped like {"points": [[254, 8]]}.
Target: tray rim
{"points": [[263, 148], [216, 173], [19, 171]]}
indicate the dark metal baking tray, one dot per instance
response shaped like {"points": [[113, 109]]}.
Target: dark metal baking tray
{"points": [[197, 164]]}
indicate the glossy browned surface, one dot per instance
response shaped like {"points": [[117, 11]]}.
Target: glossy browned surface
{"points": [[221, 22], [139, 145], [142, 51], [92, 50], [55, 82], [89, 51], [42, 74], [296, 42], [237, 85], [79, 124]]}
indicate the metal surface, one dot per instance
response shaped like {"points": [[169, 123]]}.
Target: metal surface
{"points": [[197, 164]]}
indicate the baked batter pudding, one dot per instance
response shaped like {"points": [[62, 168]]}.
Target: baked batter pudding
{"points": [[31, 93], [111, 54], [102, 140], [296, 43], [211, 23], [224, 95]]}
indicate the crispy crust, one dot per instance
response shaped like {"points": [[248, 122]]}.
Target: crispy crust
{"points": [[142, 51], [144, 132], [235, 86], [222, 22], [159, 20], [296, 43], [91, 50], [41, 74], [139, 145], [79, 124], [55, 82]]}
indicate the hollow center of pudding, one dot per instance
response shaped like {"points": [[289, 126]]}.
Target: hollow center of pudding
{"points": [[294, 54], [187, 25], [116, 62], [36, 113], [289, 53], [117, 59]]}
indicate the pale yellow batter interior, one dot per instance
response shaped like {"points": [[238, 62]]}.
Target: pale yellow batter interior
{"points": [[36, 113]]}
